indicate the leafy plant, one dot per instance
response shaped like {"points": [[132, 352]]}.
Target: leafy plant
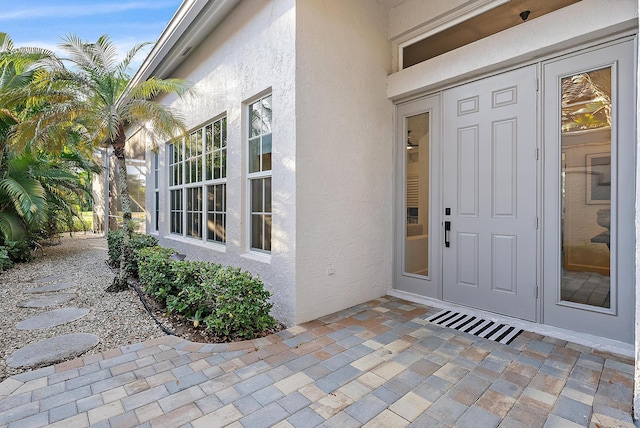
{"points": [[190, 299], [139, 241], [154, 271], [5, 260], [240, 304], [18, 251], [229, 301]]}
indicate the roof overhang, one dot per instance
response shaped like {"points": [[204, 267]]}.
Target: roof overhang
{"points": [[192, 22]]}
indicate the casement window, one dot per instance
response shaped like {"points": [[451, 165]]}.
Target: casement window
{"points": [[197, 183], [259, 174]]}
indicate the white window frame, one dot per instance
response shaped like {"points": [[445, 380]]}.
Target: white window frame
{"points": [[196, 173], [261, 174], [155, 159]]}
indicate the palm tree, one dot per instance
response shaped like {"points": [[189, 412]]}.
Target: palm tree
{"points": [[93, 97]]}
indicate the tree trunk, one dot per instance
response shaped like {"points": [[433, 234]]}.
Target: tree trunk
{"points": [[120, 281]]}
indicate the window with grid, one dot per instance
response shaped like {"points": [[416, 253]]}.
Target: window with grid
{"points": [[260, 119], [198, 175], [156, 192]]}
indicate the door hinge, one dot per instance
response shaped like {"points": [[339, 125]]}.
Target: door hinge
{"points": [[537, 85], [537, 153], [536, 292], [537, 222]]}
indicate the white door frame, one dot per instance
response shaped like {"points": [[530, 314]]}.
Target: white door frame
{"points": [[420, 293]]}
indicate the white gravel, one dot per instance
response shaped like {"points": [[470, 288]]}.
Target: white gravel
{"points": [[116, 318]]}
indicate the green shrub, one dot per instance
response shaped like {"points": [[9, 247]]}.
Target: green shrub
{"points": [[190, 298], [137, 242], [240, 304], [231, 302], [5, 260], [18, 251], [154, 271]]}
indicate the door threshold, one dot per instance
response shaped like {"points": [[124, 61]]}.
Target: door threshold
{"points": [[599, 343]]}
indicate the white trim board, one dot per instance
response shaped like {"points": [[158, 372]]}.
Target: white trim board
{"points": [[600, 343]]}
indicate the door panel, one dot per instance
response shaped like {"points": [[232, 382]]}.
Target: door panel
{"points": [[417, 267], [490, 186], [589, 191]]}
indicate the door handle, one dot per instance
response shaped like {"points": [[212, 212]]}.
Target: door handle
{"points": [[447, 229]]}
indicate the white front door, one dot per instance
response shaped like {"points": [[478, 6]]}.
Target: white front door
{"points": [[589, 192], [489, 208]]}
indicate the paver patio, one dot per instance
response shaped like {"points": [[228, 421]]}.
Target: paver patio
{"points": [[378, 364]]}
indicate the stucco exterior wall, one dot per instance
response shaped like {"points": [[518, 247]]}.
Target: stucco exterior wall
{"points": [[250, 53], [344, 155]]}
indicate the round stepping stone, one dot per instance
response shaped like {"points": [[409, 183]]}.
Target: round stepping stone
{"points": [[50, 300], [52, 318], [52, 350], [49, 288]]}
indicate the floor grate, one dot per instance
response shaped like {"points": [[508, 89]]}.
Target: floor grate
{"points": [[502, 333]]}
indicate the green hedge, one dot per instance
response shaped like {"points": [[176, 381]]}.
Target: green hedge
{"points": [[231, 302], [138, 241]]}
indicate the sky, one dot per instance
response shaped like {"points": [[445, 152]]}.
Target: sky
{"points": [[42, 23]]}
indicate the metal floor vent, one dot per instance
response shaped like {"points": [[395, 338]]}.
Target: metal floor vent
{"points": [[502, 333]]}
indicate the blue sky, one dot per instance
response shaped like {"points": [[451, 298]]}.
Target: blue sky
{"points": [[42, 23]]}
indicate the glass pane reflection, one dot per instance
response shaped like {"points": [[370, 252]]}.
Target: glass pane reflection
{"points": [[586, 188], [417, 195]]}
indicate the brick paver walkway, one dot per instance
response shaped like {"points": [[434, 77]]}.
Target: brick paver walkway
{"points": [[378, 364]]}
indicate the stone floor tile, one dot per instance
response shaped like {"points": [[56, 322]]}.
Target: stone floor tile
{"points": [[186, 382], [355, 390], [251, 385], [330, 405], [293, 383], [555, 421], [77, 421], [572, 410], [247, 405], [267, 395], [88, 403], [387, 419], [446, 410], [386, 394], [528, 418], [127, 419], [496, 403], [305, 418], [265, 417], [228, 395], [312, 392], [148, 412], [62, 412], [366, 408], [341, 420], [600, 420], [104, 412], [177, 417], [135, 387], [389, 369], [294, 402], [145, 397], [410, 406], [477, 417], [36, 421], [114, 394]]}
